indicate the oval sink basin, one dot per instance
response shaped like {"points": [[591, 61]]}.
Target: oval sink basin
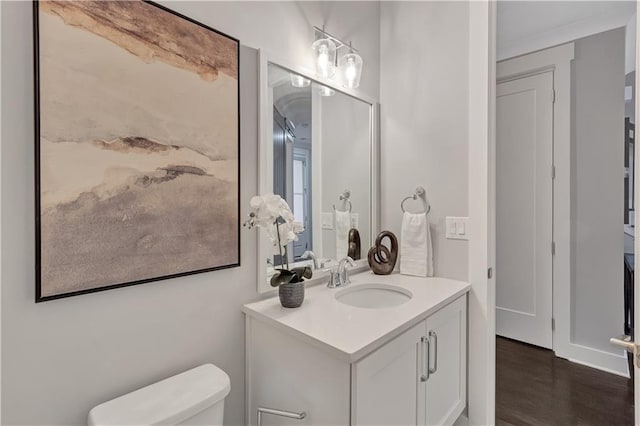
{"points": [[373, 296]]}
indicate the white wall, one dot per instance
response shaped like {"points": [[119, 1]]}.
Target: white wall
{"points": [[597, 189], [424, 118], [346, 164], [62, 357]]}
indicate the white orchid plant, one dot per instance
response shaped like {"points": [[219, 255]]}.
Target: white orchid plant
{"points": [[272, 213]]}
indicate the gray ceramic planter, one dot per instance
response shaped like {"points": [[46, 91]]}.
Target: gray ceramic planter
{"points": [[291, 294]]}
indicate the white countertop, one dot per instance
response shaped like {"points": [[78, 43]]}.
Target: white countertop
{"points": [[349, 332]]}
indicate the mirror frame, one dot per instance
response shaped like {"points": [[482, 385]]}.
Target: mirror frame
{"points": [[265, 168]]}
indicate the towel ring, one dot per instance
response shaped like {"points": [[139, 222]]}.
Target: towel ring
{"points": [[344, 197], [420, 193]]}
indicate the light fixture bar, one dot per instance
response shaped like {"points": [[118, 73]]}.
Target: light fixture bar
{"points": [[339, 43]]}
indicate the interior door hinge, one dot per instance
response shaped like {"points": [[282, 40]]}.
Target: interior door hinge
{"points": [[553, 96], [553, 248], [553, 324], [553, 172], [490, 273]]}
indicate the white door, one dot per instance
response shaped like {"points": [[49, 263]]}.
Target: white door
{"points": [[524, 195], [628, 341]]}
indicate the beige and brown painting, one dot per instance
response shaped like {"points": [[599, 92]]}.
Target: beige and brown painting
{"points": [[138, 146]]}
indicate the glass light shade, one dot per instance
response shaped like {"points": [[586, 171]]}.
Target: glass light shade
{"points": [[351, 70], [326, 91], [299, 81], [324, 53]]}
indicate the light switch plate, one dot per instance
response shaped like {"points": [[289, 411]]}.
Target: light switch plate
{"points": [[327, 220], [456, 228]]}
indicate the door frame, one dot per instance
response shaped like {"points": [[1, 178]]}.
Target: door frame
{"points": [[558, 61], [481, 319]]}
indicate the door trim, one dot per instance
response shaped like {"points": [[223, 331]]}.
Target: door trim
{"points": [[481, 319]]}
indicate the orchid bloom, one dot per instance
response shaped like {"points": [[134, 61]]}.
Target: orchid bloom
{"points": [[268, 209]]}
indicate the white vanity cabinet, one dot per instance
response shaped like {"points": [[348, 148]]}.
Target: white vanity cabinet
{"points": [[416, 377]]}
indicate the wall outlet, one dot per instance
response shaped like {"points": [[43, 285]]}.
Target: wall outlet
{"points": [[355, 220], [456, 228], [327, 220]]}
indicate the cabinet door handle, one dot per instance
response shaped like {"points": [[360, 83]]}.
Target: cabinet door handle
{"points": [[424, 362], [434, 335]]}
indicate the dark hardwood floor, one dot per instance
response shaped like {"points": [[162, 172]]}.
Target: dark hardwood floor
{"points": [[533, 387]]}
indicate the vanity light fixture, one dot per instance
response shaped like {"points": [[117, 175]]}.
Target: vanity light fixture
{"points": [[351, 68], [326, 91], [299, 81], [325, 50]]}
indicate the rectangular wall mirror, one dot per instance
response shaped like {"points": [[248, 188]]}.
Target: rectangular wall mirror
{"points": [[317, 151]]}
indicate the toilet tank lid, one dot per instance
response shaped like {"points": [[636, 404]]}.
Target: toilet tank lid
{"points": [[169, 401]]}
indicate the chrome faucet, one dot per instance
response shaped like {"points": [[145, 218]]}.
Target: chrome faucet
{"points": [[310, 255], [340, 276]]}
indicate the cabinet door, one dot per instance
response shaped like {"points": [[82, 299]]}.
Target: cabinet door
{"points": [[446, 390], [386, 384]]}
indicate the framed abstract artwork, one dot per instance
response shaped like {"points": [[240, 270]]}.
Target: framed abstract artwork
{"points": [[137, 146]]}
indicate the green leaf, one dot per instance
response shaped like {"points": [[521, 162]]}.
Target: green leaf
{"points": [[282, 276], [303, 272]]}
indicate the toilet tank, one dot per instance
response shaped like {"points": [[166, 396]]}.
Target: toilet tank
{"points": [[195, 397]]}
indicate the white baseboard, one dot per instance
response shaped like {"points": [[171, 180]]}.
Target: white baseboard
{"points": [[601, 360]]}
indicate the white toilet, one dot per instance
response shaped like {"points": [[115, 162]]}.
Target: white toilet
{"points": [[195, 397]]}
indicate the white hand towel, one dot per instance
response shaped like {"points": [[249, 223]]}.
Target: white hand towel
{"points": [[343, 224], [416, 251]]}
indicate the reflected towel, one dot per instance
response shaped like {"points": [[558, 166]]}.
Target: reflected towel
{"points": [[416, 251], [343, 224]]}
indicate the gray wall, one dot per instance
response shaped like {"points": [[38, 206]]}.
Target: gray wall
{"points": [[597, 189], [424, 95], [62, 357]]}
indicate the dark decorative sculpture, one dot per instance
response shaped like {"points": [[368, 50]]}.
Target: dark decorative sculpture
{"points": [[354, 251], [381, 259]]}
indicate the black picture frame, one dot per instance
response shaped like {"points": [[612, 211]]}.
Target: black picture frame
{"points": [[39, 297]]}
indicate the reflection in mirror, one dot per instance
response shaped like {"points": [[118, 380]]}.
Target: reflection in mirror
{"points": [[321, 162]]}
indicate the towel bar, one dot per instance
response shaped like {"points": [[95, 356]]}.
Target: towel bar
{"points": [[281, 413]]}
